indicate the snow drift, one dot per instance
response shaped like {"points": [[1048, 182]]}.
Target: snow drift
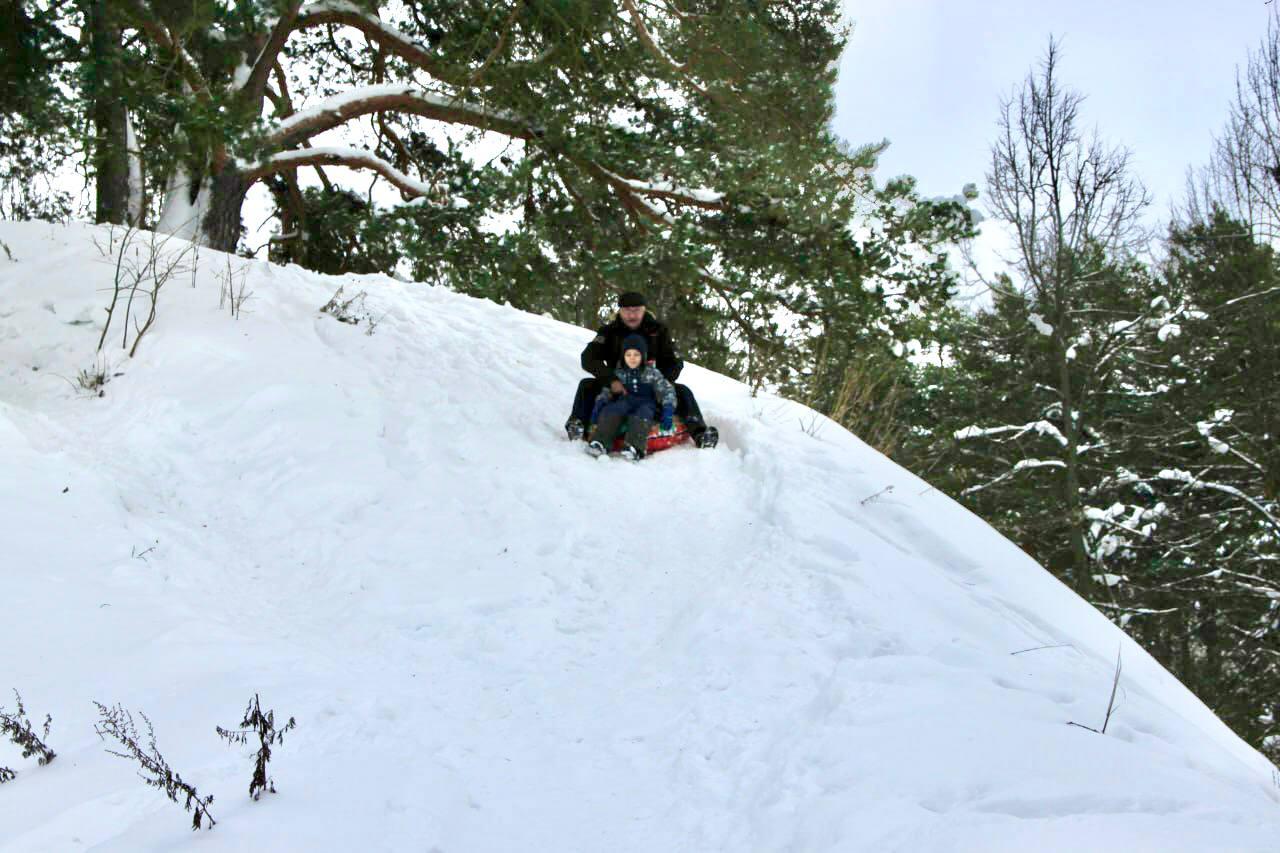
{"points": [[493, 643]]}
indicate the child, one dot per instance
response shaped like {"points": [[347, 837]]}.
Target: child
{"points": [[635, 394]]}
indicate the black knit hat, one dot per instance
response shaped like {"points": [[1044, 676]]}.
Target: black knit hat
{"points": [[631, 299], [636, 342]]}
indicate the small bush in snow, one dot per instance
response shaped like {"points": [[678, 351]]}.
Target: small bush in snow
{"points": [[350, 310], [117, 723], [18, 729], [93, 380], [1111, 703], [143, 265], [232, 289], [813, 426], [264, 726]]}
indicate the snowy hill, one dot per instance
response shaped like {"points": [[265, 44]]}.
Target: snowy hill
{"points": [[491, 642]]}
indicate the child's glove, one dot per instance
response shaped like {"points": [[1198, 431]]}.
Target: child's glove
{"points": [[666, 418], [616, 387]]}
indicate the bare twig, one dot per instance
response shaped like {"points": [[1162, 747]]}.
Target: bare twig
{"points": [[814, 425], [117, 723], [1111, 703], [1115, 684], [1041, 648], [264, 726], [870, 498], [18, 729], [228, 295], [140, 269]]}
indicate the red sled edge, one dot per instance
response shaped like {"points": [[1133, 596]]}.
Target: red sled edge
{"points": [[658, 440]]}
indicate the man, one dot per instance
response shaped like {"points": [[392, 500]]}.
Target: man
{"points": [[604, 353]]}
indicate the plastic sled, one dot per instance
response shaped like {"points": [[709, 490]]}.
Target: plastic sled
{"points": [[658, 440]]}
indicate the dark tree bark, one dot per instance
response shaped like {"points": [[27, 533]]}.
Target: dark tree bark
{"points": [[108, 113], [221, 224]]}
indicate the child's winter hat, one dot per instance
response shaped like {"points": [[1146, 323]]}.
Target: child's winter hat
{"points": [[636, 342]]}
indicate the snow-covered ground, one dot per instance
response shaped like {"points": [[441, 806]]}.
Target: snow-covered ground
{"points": [[491, 642]]}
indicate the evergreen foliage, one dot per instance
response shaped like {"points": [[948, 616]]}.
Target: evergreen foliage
{"points": [[1163, 511], [549, 154], [37, 117], [1203, 460]]}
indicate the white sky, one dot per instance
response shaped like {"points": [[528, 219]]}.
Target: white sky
{"points": [[929, 75]]}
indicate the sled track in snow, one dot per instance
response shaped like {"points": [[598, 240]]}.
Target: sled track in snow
{"points": [[493, 642]]}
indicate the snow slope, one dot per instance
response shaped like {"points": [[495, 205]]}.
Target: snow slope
{"points": [[493, 643]]}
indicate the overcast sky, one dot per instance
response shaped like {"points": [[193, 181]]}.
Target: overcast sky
{"points": [[929, 75]]}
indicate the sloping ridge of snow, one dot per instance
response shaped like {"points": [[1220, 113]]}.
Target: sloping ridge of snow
{"points": [[491, 642]]}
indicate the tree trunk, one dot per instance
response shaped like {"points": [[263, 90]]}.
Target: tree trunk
{"points": [[1075, 516], [220, 227], [108, 112], [291, 246]]}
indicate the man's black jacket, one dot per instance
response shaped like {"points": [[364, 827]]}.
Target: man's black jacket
{"points": [[604, 353]]}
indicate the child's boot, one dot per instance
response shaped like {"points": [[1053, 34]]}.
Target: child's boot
{"points": [[637, 438], [607, 428]]}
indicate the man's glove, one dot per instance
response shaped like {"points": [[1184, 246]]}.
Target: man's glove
{"points": [[666, 418]]}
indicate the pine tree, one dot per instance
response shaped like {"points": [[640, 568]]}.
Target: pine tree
{"points": [[37, 118], [681, 148], [1054, 349], [1205, 584]]}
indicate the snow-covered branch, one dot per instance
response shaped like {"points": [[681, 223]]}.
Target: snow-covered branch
{"points": [[1251, 584], [722, 289], [349, 14], [401, 97], [637, 21], [1192, 482], [1220, 418], [1042, 427], [266, 58], [630, 197], [1250, 296], [356, 158], [697, 196], [651, 44], [1023, 465], [145, 18], [1134, 611]]}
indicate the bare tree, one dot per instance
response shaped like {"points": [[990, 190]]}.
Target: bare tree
{"points": [[1069, 200], [1243, 174]]}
